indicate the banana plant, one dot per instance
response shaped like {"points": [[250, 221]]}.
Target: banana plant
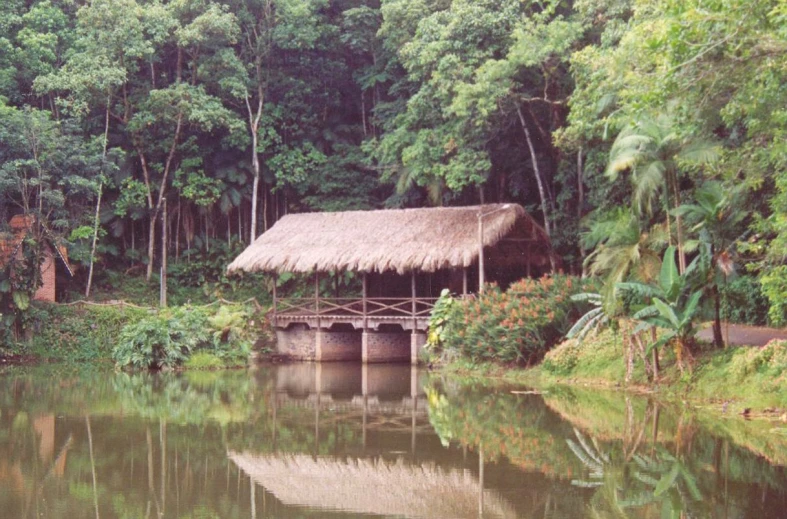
{"points": [[674, 304]]}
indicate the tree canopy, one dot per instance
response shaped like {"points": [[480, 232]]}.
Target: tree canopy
{"points": [[594, 114]]}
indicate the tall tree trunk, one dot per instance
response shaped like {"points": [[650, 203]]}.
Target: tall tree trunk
{"points": [[151, 245], [254, 124], [678, 223], [580, 198], [96, 220], [163, 277], [155, 210], [539, 180]]}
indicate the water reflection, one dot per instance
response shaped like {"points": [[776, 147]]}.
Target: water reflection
{"points": [[308, 440]]}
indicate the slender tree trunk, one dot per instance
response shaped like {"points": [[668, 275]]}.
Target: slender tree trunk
{"points": [[536, 172], [678, 224], [151, 245], [580, 198], [96, 221], [163, 278], [265, 205], [539, 181], [155, 210], [177, 232], [718, 338], [254, 124]]}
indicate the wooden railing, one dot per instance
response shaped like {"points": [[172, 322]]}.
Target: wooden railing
{"points": [[345, 306]]}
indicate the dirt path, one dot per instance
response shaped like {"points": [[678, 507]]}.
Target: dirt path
{"points": [[742, 335]]}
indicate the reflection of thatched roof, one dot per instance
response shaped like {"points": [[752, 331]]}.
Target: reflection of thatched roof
{"points": [[371, 486], [398, 240]]}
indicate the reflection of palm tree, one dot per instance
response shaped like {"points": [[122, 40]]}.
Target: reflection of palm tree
{"points": [[624, 482]]}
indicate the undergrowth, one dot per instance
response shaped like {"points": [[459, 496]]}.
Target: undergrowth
{"points": [[744, 376]]}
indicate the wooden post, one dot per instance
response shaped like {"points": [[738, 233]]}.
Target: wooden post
{"points": [[365, 295], [275, 281], [317, 296], [412, 289], [365, 331], [480, 253], [318, 332], [464, 281], [414, 333]]}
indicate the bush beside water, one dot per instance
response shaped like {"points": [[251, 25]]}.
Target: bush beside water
{"points": [[139, 337], [168, 338], [76, 333], [517, 325]]}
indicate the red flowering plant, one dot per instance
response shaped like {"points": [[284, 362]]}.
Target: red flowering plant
{"points": [[518, 325]]}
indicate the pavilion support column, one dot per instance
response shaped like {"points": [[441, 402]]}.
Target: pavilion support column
{"points": [[318, 332], [415, 337], [464, 281], [365, 332], [275, 282]]}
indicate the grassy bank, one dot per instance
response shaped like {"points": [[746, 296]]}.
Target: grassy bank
{"points": [[207, 337], [729, 380]]}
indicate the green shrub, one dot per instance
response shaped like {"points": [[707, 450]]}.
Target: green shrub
{"points": [[562, 359], [204, 360], [168, 338], [742, 301], [232, 335], [770, 360], [774, 287], [518, 325], [162, 340]]}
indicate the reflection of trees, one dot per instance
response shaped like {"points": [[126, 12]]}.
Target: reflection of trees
{"points": [[174, 398], [624, 456], [510, 429]]}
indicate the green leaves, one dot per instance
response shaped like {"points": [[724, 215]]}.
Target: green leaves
{"points": [[21, 300], [669, 279]]}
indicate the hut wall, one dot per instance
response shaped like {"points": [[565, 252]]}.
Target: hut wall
{"points": [[300, 342], [337, 346], [46, 292], [387, 346]]}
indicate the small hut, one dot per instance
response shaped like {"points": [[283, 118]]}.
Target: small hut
{"points": [[11, 247], [405, 258]]}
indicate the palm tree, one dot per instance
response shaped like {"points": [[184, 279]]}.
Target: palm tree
{"points": [[716, 216], [622, 251], [653, 149]]}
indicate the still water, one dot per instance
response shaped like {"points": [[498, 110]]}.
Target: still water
{"points": [[342, 440]]}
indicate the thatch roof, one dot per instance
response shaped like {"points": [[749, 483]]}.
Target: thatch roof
{"points": [[400, 240], [372, 486]]}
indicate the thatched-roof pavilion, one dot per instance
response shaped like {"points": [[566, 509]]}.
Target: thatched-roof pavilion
{"points": [[435, 247], [399, 240]]}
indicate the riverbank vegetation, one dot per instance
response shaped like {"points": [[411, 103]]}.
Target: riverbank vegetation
{"points": [[131, 336], [647, 137]]}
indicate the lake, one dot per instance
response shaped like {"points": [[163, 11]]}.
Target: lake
{"points": [[344, 440]]}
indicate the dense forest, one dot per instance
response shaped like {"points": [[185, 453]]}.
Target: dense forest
{"points": [[623, 126]]}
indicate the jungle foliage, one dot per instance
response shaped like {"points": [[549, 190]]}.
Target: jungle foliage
{"points": [[225, 115]]}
